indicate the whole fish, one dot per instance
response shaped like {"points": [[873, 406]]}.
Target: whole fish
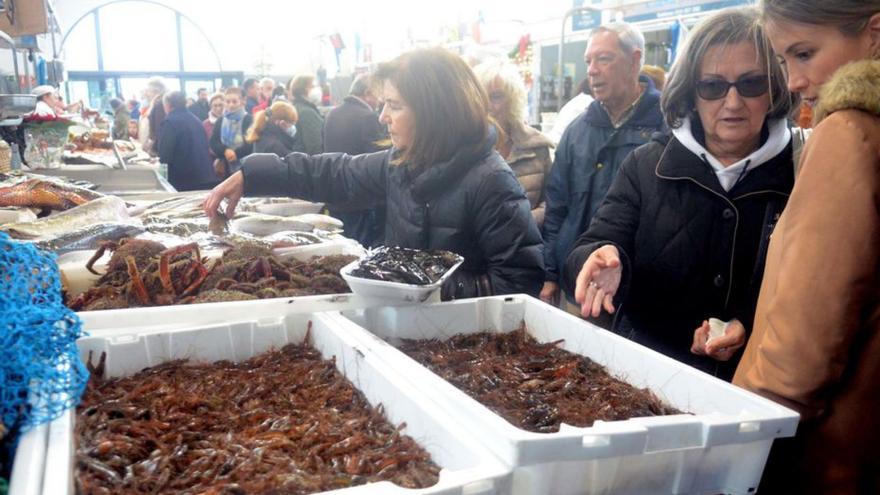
{"points": [[102, 210], [263, 225], [322, 222], [89, 238], [47, 194]]}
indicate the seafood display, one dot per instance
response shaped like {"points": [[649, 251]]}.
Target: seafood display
{"points": [[143, 272], [105, 209], [408, 266], [46, 194], [532, 385], [284, 421]]}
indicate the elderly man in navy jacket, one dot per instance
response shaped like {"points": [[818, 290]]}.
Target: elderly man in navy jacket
{"points": [[184, 146], [623, 116]]}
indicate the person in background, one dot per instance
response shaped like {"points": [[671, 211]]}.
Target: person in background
{"points": [[134, 109], [251, 89], [121, 119], [816, 343], [228, 137], [155, 87], [681, 236], [184, 146], [267, 89], [217, 106], [625, 113], [274, 129], [46, 98], [309, 130], [657, 75], [526, 150], [200, 108], [571, 110], [354, 128], [325, 95], [279, 94], [444, 184]]}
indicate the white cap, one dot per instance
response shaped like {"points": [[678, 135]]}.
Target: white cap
{"points": [[42, 90]]}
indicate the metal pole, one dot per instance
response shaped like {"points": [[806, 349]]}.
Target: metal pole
{"points": [[568, 14]]}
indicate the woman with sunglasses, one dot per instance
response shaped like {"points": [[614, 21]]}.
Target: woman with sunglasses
{"points": [[816, 343], [681, 235]]}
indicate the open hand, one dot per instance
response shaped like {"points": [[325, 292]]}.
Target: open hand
{"points": [[721, 348], [598, 281], [232, 189]]}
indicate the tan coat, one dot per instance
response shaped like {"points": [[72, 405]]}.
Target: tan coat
{"points": [[816, 340], [530, 161]]}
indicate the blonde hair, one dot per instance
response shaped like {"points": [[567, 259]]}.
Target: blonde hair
{"points": [[281, 110], [507, 78]]}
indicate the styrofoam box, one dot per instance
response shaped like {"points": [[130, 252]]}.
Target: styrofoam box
{"points": [[721, 447], [382, 289], [467, 468]]}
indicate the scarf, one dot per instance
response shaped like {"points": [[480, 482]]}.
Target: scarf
{"points": [[230, 133]]}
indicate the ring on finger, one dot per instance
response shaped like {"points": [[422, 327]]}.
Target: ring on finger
{"points": [[593, 284]]}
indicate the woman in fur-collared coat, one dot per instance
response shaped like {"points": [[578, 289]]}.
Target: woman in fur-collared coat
{"points": [[816, 341]]}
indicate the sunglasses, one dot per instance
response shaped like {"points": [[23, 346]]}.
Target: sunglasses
{"points": [[747, 87]]}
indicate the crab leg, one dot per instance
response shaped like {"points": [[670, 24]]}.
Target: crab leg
{"points": [[137, 284], [164, 265], [203, 274], [95, 257]]}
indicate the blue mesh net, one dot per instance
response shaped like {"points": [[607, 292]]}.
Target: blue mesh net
{"points": [[41, 374]]}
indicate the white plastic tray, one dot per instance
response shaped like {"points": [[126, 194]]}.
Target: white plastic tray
{"points": [[467, 468], [394, 291], [720, 448], [30, 458]]}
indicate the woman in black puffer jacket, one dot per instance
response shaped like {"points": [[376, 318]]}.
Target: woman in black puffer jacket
{"points": [[444, 185]]}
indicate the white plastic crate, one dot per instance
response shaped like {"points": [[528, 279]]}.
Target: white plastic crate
{"points": [[30, 458], [467, 468], [721, 447]]}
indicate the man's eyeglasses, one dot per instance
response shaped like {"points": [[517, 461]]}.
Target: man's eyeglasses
{"points": [[747, 87]]}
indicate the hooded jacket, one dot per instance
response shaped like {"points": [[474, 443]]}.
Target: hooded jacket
{"points": [[816, 343], [690, 250], [471, 205]]}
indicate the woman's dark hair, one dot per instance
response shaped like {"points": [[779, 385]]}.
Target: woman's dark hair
{"points": [[448, 103], [850, 16], [727, 27]]}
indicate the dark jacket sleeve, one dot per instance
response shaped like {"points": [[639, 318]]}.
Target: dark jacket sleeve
{"points": [[328, 178], [615, 222], [167, 141], [217, 145], [509, 239], [556, 209]]}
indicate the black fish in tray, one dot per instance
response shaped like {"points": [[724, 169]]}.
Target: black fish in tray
{"points": [[408, 266]]}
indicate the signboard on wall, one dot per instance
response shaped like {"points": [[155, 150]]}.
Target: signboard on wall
{"points": [[670, 9], [24, 17], [584, 20]]}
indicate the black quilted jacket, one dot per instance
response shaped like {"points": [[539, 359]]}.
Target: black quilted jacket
{"points": [[690, 250], [471, 205]]}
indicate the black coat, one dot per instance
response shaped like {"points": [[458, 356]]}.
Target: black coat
{"points": [[689, 250], [471, 205], [273, 139], [354, 128], [200, 108], [184, 147]]}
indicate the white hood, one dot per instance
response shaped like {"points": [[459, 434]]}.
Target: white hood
{"points": [[777, 140]]}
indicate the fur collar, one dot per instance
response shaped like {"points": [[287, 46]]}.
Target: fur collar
{"points": [[853, 86]]}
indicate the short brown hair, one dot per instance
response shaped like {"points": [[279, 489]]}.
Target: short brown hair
{"points": [[449, 104], [233, 90], [299, 84], [726, 27]]}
